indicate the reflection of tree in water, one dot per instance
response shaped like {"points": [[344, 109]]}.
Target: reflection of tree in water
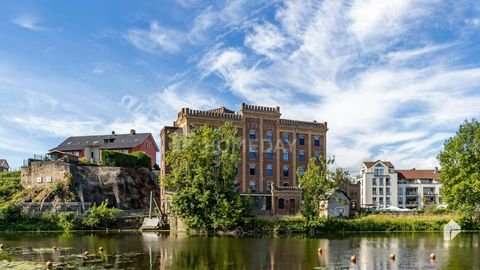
{"points": [[463, 252]]}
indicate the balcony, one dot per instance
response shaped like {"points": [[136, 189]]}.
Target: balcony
{"points": [[411, 193]]}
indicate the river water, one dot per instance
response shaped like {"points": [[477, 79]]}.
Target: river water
{"points": [[130, 250]]}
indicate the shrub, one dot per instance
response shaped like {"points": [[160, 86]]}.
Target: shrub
{"points": [[69, 221], [135, 159], [100, 216]]}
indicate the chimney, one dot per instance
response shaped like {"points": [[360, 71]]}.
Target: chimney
{"points": [[132, 132], [113, 132]]}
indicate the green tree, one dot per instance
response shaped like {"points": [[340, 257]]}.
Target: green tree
{"points": [[315, 182], [203, 175], [460, 174]]}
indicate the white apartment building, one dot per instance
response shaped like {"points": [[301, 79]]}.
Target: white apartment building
{"points": [[382, 186], [418, 188], [378, 185]]}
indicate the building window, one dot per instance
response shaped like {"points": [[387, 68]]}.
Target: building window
{"points": [[374, 181], [252, 186], [388, 191], [285, 170], [281, 204], [400, 200], [252, 169], [269, 185], [301, 171], [317, 155], [253, 155], [400, 191], [378, 171], [269, 154], [374, 200], [269, 170], [269, 136], [374, 191], [381, 201], [388, 201], [301, 156], [252, 135], [285, 154], [380, 191], [286, 138], [380, 180], [301, 140], [316, 141], [387, 181]]}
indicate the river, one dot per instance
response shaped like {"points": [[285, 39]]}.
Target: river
{"points": [[130, 250]]}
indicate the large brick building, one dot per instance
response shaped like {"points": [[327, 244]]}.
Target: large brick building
{"points": [[273, 150]]}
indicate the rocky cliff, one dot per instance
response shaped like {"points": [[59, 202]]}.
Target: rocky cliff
{"points": [[126, 188]]}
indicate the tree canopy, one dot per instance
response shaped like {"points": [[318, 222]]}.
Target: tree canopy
{"points": [[460, 168], [203, 169], [315, 182]]}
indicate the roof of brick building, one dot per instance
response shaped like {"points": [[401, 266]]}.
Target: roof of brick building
{"points": [[418, 174], [370, 164]]}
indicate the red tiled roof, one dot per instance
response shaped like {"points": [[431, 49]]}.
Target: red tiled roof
{"points": [[370, 164], [418, 174]]}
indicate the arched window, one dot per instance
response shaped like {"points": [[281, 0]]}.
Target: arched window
{"points": [[253, 155], [301, 156], [301, 171], [269, 170], [252, 169], [281, 203], [269, 153], [285, 184], [316, 141], [252, 134], [301, 139], [269, 135], [285, 170]]}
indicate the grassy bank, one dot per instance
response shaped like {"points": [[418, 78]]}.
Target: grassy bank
{"points": [[372, 223]]}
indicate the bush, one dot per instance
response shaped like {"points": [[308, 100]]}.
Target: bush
{"points": [[133, 160], [100, 216], [69, 221]]}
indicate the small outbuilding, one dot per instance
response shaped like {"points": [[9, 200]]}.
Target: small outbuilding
{"points": [[334, 204]]}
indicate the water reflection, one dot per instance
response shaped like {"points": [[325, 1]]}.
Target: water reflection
{"points": [[165, 251]]}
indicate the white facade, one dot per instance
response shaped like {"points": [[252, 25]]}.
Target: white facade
{"points": [[378, 185], [382, 186], [418, 192]]}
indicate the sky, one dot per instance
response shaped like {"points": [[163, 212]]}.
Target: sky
{"points": [[393, 79]]}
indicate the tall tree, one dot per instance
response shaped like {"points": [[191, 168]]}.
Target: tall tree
{"points": [[460, 173], [203, 175], [315, 182]]}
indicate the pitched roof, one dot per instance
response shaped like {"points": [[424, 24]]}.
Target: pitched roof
{"points": [[418, 174], [370, 164], [4, 163], [114, 141]]}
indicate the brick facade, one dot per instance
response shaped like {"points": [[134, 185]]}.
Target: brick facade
{"points": [[269, 172]]}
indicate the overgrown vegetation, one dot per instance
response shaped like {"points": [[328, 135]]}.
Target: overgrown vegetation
{"points": [[133, 160], [460, 174], [10, 189], [203, 174], [315, 182], [100, 216]]}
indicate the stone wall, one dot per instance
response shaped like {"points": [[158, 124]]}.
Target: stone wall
{"points": [[126, 188]]}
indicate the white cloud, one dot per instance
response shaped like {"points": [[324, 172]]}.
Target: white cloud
{"points": [[343, 64], [156, 39], [29, 22]]}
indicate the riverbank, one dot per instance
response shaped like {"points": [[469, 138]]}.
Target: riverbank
{"points": [[372, 223]]}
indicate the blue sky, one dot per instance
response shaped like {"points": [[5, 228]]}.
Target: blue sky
{"points": [[393, 79]]}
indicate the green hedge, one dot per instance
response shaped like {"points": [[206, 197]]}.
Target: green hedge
{"points": [[133, 160]]}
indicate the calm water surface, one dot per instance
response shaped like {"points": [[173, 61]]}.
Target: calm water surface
{"points": [[165, 251]]}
